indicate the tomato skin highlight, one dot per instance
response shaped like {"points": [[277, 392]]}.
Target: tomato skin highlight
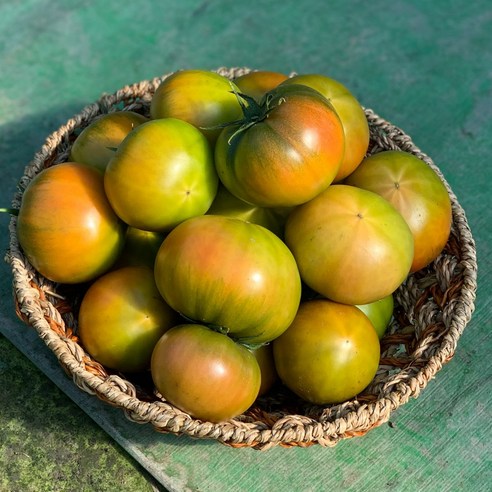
{"points": [[238, 276], [161, 174], [121, 318], [416, 191], [329, 354], [66, 226], [205, 373], [352, 116], [351, 245], [289, 156]]}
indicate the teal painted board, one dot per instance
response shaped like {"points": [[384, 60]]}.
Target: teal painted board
{"points": [[425, 66]]}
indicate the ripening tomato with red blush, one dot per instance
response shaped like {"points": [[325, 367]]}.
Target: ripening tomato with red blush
{"points": [[351, 113], [234, 275], [66, 226], [350, 244], [285, 151], [417, 192], [205, 373]]}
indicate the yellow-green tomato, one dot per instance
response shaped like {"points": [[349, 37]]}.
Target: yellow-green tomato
{"points": [[351, 114], [161, 174], [379, 313], [203, 99], [350, 244], [97, 142], [121, 318], [329, 354], [205, 373]]}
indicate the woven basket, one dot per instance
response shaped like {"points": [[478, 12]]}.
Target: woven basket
{"points": [[432, 308]]}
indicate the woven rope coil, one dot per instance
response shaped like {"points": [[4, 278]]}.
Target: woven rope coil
{"points": [[433, 307]]}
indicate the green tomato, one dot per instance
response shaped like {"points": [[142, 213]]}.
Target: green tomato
{"points": [[329, 354], [97, 142], [379, 313], [140, 248], [227, 204], [203, 99], [269, 376], [162, 174], [121, 318]]}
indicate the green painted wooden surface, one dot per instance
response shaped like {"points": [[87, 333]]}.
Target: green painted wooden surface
{"points": [[425, 66]]}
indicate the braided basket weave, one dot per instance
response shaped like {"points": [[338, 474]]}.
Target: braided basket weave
{"points": [[432, 308]]}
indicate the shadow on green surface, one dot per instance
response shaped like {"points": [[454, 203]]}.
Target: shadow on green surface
{"points": [[20, 139], [35, 416], [45, 437]]}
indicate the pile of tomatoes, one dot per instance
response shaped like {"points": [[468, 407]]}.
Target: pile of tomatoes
{"points": [[235, 237]]}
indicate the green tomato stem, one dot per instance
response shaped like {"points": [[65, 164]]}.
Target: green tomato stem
{"points": [[253, 113], [11, 211]]}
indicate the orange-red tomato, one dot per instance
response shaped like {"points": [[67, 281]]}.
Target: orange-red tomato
{"points": [[289, 153], [121, 318], [416, 191], [351, 113], [329, 354], [66, 226], [205, 373], [257, 83], [350, 244]]}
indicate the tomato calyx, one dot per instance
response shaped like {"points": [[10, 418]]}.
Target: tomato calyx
{"points": [[253, 113], [249, 346], [224, 330]]}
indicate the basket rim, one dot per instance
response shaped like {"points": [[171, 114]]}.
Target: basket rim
{"points": [[354, 417]]}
